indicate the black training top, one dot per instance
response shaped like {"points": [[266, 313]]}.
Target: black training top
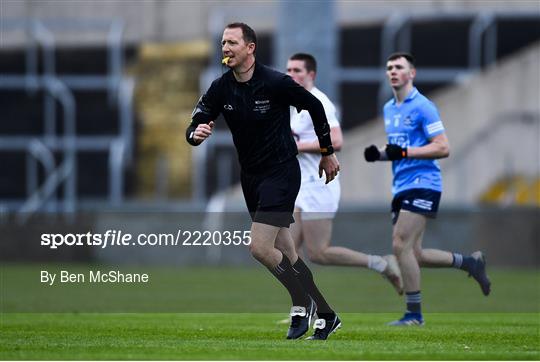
{"points": [[257, 113]]}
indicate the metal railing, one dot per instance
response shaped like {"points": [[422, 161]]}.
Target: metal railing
{"points": [[41, 34], [397, 34], [32, 144], [59, 88]]}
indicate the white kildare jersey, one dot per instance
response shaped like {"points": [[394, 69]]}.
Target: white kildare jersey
{"points": [[315, 199], [302, 126]]}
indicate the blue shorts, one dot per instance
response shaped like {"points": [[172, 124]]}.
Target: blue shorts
{"points": [[419, 201]]}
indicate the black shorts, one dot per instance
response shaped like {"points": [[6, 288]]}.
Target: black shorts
{"points": [[270, 194], [419, 201]]}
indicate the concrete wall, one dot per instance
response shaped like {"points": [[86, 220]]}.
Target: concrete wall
{"points": [[350, 12], [492, 121], [148, 20], [175, 20]]}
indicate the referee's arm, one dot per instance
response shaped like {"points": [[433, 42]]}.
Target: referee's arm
{"points": [[203, 116]]}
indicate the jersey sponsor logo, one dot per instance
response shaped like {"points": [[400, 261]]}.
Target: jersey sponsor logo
{"points": [[262, 106], [400, 139], [423, 204]]}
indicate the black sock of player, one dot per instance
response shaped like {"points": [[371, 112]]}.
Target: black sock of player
{"points": [[462, 262], [414, 300], [305, 277], [468, 263], [286, 275]]}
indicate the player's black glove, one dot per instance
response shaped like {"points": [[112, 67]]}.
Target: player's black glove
{"points": [[395, 152], [372, 154]]}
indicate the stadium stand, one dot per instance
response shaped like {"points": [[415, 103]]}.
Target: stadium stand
{"points": [[167, 88], [67, 121], [83, 79], [471, 40], [513, 190]]}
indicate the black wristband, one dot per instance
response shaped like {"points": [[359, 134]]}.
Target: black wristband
{"points": [[325, 143], [395, 152], [327, 151]]}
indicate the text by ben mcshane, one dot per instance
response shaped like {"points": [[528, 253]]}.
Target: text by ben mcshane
{"points": [[93, 276]]}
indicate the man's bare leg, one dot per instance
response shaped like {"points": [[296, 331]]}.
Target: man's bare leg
{"points": [[317, 235], [407, 233], [474, 264], [262, 247], [296, 232]]}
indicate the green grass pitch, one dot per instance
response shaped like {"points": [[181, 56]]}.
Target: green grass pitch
{"points": [[251, 336], [460, 322]]}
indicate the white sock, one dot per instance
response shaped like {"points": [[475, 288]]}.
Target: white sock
{"points": [[376, 263]]}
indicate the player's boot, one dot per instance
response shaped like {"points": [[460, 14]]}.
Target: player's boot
{"points": [[392, 273], [301, 320], [409, 319], [325, 327], [288, 319], [478, 272]]}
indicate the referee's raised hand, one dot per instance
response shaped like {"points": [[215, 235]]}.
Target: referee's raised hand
{"points": [[330, 165]]}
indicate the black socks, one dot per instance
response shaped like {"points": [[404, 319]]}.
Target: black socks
{"points": [[286, 275], [305, 277]]}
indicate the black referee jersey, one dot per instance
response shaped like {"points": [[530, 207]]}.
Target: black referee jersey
{"points": [[257, 113]]}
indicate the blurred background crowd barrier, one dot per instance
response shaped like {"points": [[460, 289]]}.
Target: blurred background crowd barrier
{"points": [[95, 98]]}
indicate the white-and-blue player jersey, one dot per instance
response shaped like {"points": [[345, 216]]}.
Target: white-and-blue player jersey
{"points": [[413, 124]]}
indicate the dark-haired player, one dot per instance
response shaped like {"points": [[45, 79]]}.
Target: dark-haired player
{"points": [[255, 101], [416, 139]]}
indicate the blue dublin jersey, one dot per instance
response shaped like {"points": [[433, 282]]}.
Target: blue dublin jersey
{"points": [[412, 124]]}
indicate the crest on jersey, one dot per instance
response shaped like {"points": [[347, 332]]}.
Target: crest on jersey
{"points": [[408, 121]]}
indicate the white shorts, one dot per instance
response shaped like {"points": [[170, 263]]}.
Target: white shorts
{"points": [[316, 200]]}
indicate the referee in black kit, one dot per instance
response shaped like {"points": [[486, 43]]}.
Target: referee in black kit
{"points": [[255, 101]]}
